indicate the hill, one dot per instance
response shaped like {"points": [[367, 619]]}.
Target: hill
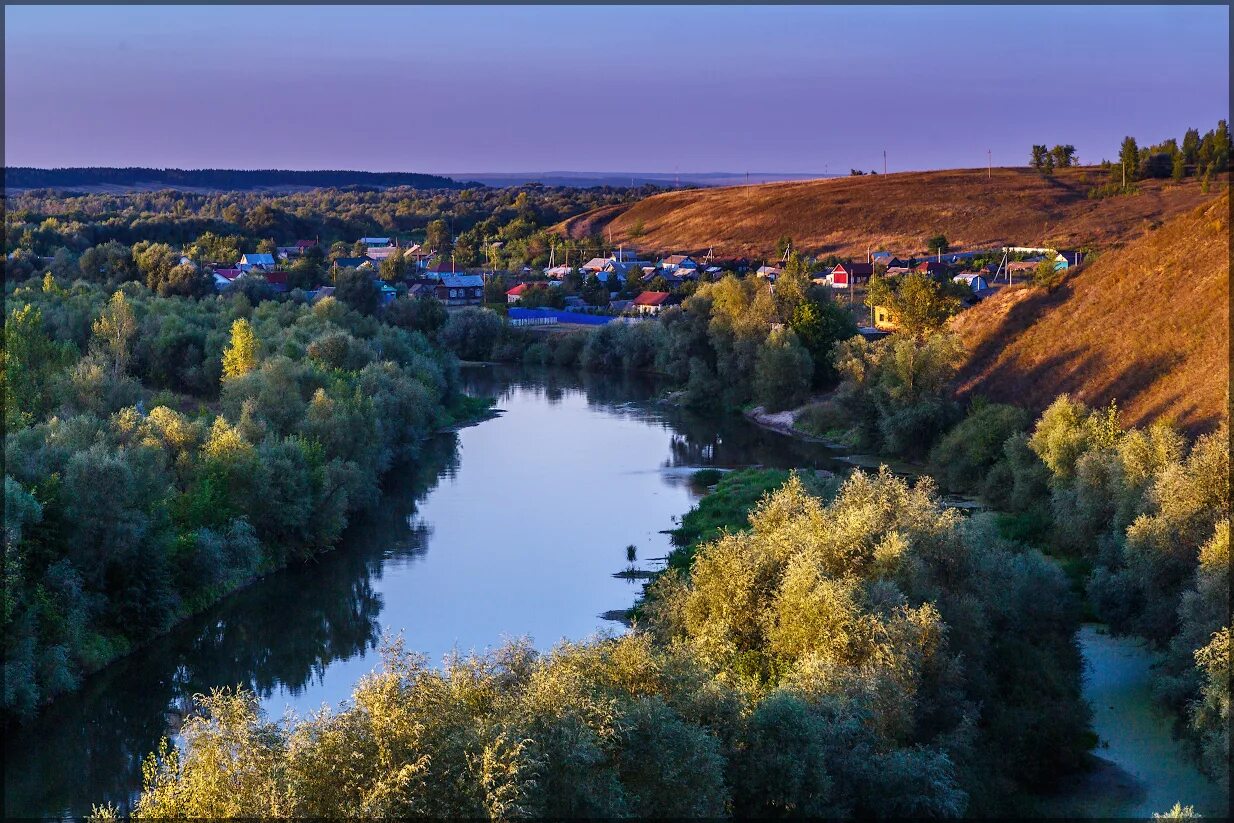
{"points": [[848, 215], [116, 180], [1146, 325]]}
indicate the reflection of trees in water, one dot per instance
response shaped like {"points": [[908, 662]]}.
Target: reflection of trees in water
{"points": [[280, 632]]}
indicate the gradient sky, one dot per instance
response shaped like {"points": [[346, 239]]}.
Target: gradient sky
{"points": [[619, 88]]}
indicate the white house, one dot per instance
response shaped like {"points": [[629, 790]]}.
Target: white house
{"points": [[678, 261], [974, 280]]}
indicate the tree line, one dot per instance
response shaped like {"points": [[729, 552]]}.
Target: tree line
{"points": [[26, 177], [161, 451]]}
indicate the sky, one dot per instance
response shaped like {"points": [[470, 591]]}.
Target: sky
{"points": [[789, 89]]}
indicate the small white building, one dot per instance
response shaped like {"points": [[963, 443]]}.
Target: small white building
{"points": [[974, 280]]}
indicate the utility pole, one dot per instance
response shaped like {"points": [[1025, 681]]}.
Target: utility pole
{"points": [[989, 156], [884, 161]]}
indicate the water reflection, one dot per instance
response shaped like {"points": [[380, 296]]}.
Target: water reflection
{"points": [[550, 494], [279, 634]]}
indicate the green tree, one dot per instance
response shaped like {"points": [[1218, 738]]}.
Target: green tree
{"points": [[936, 244], [1191, 147], [31, 362], [819, 325], [113, 332], [394, 267], [437, 237], [1064, 156], [1129, 160], [920, 304], [355, 288], [1038, 156], [240, 356], [783, 371], [1178, 169]]}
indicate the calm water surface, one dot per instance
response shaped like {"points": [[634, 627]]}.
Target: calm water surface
{"points": [[509, 528]]}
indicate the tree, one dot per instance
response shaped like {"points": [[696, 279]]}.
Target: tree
{"points": [[1129, 160], [394, 267], [31, 360], [819, 325], [920, 303], [1064, 156], [114, 330], [1178, 169], [1047, 274], [785, 243], [937, 244], [783, 371], [356, 288], [240, 356], [437, 237], [1039, 155], [1191, 147]]}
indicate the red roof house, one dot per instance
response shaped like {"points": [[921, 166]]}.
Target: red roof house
{"points": [[650, 302], [515, 294], [856, 272]]}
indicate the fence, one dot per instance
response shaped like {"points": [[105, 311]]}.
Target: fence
{"points": [[536, 317]]}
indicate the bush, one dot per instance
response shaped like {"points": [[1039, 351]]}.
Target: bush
{"points": [[471, 333], [965, 455]]}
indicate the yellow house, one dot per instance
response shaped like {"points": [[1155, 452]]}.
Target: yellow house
{"points": [[884, 320]]}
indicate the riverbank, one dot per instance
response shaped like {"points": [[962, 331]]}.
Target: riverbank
{"points": [[465, 411]]}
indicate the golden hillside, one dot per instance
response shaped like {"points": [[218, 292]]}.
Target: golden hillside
{"points": [[1146, 325], [848, 215]]}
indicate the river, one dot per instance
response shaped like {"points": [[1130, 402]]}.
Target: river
{"points": [[508, 528], [513, 527]]}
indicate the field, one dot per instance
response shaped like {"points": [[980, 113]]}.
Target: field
{"points": [[1146, 325], [850, 215]]}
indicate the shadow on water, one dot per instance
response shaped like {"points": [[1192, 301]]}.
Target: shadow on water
{"points": [[280, 632]]}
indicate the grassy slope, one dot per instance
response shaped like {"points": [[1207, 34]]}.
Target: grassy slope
{"points": [[848, 215], [1146, 325]]}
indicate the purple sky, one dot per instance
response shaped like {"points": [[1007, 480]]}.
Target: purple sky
{"points": [[624, 88]]}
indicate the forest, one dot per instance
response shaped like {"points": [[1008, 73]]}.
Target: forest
{"points": [[25, 177], [161, 451]]}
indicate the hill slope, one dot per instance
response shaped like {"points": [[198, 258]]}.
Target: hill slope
{"points": [[1147, 325], [848, 215]]}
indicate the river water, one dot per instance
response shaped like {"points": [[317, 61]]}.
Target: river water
{"points": [[513, 527], [508, 528]]}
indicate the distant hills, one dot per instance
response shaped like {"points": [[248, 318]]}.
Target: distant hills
{"points": [[588, 179], [119, 180], [1146, 325], [848, 215], [116, 180]]}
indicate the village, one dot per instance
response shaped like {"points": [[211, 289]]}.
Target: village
{"points": [[623, 286]]}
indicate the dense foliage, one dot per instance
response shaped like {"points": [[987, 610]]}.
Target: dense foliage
{"points": [[25, 177], [731, 343], [160, 451], [500, 228], [872, 656]]}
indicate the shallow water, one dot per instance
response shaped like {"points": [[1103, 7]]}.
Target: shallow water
{"points": [[1136, 738]]}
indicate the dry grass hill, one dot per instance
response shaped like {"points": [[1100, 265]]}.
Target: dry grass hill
{"points": [[848, 215], [1147, 325]]}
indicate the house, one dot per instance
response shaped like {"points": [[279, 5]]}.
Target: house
{"points": [[884, 320], [305, 245], [770, 272], [897, 266], [461, 289], [439, 269], [388, 293], [933, 268], [380, 253], [678, 261], [974, 280], [623, 256], [375, 241], [626, 269], [256, 261], [594, 266], [620, 305], [515, 294], [575, 303], [225, 277], [557, 272], [277, 280], [286, 252], [851, 274], [187, 261], [353, 263], [882, 258], [651, 302]]}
